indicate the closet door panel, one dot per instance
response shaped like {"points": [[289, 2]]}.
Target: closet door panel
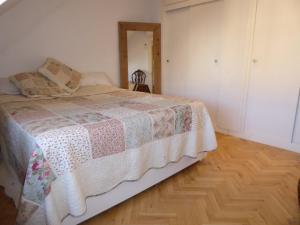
{"points": [[207, 47], [238, 22], [205, 43], [176, 52], [275, 77]]}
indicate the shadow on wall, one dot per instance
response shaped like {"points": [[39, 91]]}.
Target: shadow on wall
{"points": [[6, 5], [17, 18]]}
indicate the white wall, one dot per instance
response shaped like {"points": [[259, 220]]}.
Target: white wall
{"points": [[81, 33]]}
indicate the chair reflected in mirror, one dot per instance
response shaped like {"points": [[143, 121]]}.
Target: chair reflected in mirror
{"points": [[138, 78]]}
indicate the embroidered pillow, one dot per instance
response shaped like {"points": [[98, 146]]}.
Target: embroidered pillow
{"points": [[61, 74], [36, 85]]}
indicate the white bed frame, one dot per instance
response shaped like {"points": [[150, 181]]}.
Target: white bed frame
{"points": [[124, 191]]}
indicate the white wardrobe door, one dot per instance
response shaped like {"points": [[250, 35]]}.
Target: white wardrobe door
{"points": [[176, 52], [202, 81], [276, 70], [238, 22]]}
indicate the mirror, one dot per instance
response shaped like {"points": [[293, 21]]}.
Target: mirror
{"points": [[140, 60], [140, 56]]}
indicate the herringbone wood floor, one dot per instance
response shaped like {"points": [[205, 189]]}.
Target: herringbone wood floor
{"points": [[243, 183]]}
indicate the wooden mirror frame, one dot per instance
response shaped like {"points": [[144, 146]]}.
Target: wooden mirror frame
{"points": [[123, 48]]}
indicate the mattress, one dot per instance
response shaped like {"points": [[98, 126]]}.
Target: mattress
{"points": [[64, 150]]}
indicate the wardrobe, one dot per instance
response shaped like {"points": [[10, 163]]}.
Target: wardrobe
{"points": [[242, 59]]}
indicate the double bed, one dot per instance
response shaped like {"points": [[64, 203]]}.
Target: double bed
{"points": [[66, 159]]}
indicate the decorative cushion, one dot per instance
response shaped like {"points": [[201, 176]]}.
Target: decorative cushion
{"points": [[7, 87], [61, 74], [36, 85]]}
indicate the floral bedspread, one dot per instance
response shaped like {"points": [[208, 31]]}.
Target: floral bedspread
{"points": [[86, 145]]}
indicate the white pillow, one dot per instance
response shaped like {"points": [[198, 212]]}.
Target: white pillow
{"points": [[7, 87], [90, 79]]}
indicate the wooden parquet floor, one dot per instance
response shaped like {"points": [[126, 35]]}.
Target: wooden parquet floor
{"points": [[243, 183]]}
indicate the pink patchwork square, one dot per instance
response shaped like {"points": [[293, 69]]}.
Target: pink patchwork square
{"points": [[107, 138]]}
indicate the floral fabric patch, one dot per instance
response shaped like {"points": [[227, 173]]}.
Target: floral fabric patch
{"points": [[88, 117], [183, 118], [66, 148], [138, 106], [163, 123], [138, 130], [23, 113], [38, 178], [38, 127], [106, 138]]}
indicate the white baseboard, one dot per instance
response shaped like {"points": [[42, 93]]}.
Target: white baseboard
{"points": [[264, 139]]}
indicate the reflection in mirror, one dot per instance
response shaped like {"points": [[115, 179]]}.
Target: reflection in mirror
{"points": [[140, 60]]}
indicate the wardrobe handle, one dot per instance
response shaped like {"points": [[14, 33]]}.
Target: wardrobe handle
{"points": [[254, 60], [216, 61]]}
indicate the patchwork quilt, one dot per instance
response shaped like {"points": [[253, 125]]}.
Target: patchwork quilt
{"points": [[69, 148]]}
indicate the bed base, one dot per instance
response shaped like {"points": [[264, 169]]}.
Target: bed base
{"points": [[103, 202], [126, 190]]}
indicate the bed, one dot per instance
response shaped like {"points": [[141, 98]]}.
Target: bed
{"points": [[66, 159]]}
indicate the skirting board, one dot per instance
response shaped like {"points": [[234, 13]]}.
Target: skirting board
{"points": [[126, 190], [263, 139]]}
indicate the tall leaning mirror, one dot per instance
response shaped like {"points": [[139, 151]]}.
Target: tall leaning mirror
{"points": [[140, 56]]}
